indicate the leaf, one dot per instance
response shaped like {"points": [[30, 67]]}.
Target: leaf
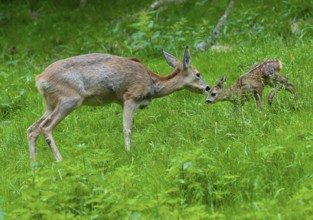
{"points": [[156, 35], [270, 150], [187, 165]]}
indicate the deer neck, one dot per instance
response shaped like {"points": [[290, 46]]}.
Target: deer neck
{"points": [[165, 85], [230, 93]]}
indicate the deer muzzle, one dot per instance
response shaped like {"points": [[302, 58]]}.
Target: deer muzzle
{"points": [[206, 90], [208, 101]]}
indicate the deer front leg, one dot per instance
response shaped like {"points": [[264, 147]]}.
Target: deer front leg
{"points": [[288, 86], [129, 109], [258, 99], [292, 89], [278, 85], [283, 82], [273, 93]]}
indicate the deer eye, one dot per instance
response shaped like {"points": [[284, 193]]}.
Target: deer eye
{"points": [[213, 94], [198, 75]]}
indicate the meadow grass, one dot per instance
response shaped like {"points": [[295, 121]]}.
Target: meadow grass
{"points": [[190, 160]]}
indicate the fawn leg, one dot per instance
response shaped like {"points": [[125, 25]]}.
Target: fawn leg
{"points": [[290, 88], [287, 86], [258, 99], [278, 86], [283, 82], [129, 109]]}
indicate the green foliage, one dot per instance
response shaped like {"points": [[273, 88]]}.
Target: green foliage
{"points": [[146, 33], [12, 89], [150, 37], [191, 160]]}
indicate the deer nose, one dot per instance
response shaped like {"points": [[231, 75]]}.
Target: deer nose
{"points": [[207, 88], [208, 101]]}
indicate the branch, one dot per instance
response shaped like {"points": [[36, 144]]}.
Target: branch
{"points": [[211, 40], [160, 3]]}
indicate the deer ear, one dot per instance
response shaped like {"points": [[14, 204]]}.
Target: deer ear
{"points": [[186, 59], [170, 59], [222, 81]]}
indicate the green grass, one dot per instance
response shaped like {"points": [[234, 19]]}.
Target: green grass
{"points": [[190, 160]]}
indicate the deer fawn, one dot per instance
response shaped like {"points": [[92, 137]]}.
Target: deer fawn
{"points": [[252, 83], [100, 79]]}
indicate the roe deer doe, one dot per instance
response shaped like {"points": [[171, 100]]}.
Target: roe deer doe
{"points": [[99, 79], [252, 83]]}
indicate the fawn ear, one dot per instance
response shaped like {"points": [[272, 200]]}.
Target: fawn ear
{"points": [[222, 81], [186, 58], [170, 59]]}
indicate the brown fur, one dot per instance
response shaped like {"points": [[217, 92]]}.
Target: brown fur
{"points": [[161, 78]]}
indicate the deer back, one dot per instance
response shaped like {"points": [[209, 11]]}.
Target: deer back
{"points": [[265, 71], [97, 78]]}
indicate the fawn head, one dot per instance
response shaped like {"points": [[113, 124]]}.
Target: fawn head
{"points": [[215, 93], [189, 76]]}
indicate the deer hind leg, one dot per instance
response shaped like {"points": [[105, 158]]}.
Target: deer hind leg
{"points": [[283, 83], [33, 133], [62, 109], [129, 109]]}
